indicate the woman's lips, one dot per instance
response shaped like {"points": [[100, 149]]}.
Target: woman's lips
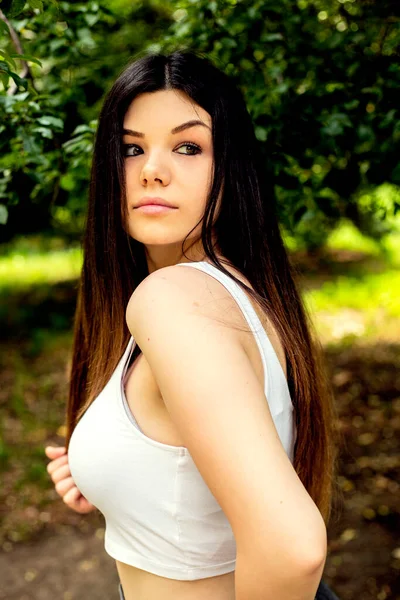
{"points": [[155, 209]]}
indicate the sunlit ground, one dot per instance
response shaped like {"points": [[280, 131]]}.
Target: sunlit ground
{"points": [[23, 268], [362, 303]]}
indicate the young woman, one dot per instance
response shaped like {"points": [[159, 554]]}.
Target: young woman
{"points": [[200, 421]]}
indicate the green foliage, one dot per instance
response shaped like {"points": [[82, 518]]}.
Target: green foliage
{"points": [[53, 89], [320, 78]]}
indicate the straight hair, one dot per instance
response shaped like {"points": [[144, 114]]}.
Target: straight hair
{"points": [[248, 236]]}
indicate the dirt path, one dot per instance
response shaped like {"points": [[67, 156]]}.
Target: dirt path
{"points": [[67, 562]]}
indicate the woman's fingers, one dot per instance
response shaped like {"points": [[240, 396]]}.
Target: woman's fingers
{"points": [[56, 463], [72, 495], [64, 485], [74, 499], [54, 451], [61, 473]]}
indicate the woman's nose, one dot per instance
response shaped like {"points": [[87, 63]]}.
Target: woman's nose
{"points": [[154, 172]]}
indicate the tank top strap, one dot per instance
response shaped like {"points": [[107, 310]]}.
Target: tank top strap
{"points": [[264, 344]]}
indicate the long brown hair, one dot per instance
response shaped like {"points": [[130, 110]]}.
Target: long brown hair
{"points": [[248, 237]]}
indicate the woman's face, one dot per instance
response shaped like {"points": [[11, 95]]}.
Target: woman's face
{"points": [[168, 155]]}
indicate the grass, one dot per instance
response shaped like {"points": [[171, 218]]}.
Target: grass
{"points": [[367, 293], [20, 270], [351, 308], [360, 302], [347, 237]]}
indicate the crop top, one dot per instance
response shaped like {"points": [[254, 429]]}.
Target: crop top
{"points": [[160, 516]]}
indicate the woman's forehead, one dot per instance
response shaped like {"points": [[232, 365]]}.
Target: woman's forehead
{"points": [[164, 107]]}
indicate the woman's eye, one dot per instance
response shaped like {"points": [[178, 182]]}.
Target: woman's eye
{"points": [[193, 149], [130, 147]]}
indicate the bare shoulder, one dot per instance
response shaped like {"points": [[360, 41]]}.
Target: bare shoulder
{"points": [[206, 296], [190, 289]]}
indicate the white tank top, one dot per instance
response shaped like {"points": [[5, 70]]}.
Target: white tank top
{"points": [[160, 515]]}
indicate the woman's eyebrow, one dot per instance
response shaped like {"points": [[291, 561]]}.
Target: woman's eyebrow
{"points": [[177, 129]]}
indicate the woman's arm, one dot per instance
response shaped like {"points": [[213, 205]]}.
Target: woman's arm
{"points": [[254, 580], [215, 399]]}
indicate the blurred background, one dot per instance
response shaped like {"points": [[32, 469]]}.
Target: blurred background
{"points": [[321, 79]]}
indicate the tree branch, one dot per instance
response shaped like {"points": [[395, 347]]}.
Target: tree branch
{"points": [[26, 72]]}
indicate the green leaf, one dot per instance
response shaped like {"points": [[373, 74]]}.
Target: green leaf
{"points": [[4, 79], [27, 57], [3, 214], [19, 80], [4, 27], [28, 142], [17, 6], [32, 91], [36, 4], [91, 19], [261, 133], [388, 118], [49, 120], [8, 58], [335, 124], [67, 182], [352, 104], [82, 129], [4, 67], [272, 37], [44, 131], [365, 133]]}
